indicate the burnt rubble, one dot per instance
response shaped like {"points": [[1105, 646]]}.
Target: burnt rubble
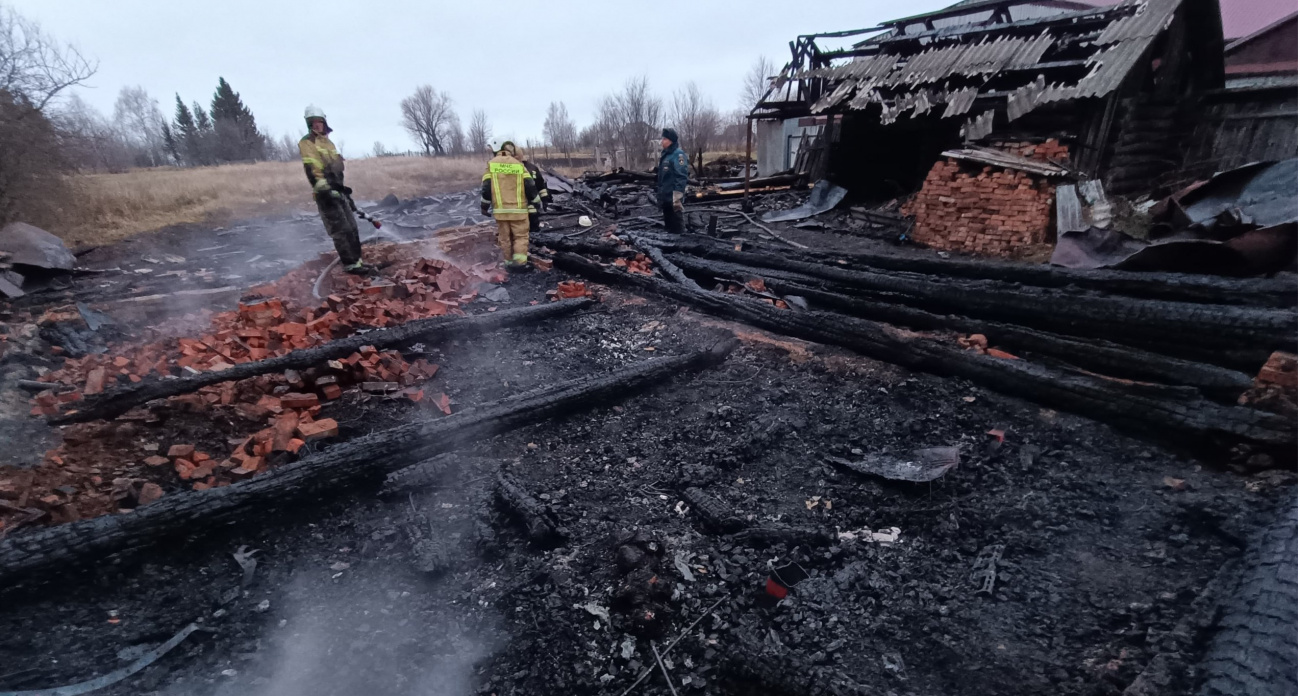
{"points": [[901, 472]]}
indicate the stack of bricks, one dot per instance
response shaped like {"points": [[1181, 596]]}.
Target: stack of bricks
{"points": [[993, 211]]}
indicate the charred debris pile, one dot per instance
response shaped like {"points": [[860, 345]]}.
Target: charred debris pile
{"points": [[1186, 357]]}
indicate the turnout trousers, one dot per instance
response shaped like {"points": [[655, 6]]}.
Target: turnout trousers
{"points": [[341, 225]]}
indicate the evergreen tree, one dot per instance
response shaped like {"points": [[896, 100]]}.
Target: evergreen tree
{"points": [[237, 134], [201, 120], [184, 123], [169, 143], [186, 133]]}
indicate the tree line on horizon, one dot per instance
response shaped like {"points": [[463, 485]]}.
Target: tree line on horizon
{"points": [[625, 127], [47, 132]]}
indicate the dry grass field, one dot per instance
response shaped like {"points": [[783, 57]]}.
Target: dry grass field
{"points": [[105, 208]]}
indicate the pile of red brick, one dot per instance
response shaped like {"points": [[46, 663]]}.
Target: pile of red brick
{"points": [[638, 264], [987, 210], [1275, 385], [268, 326], [568, 290], [105, 467]]}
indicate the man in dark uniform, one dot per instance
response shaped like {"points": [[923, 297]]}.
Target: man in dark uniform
{"points": [[673, 173]]}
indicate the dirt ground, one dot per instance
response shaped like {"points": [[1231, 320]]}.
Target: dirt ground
{"points": [[1105, 541]]}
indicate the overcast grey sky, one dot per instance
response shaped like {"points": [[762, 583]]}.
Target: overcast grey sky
{"points": [[357, 60]]}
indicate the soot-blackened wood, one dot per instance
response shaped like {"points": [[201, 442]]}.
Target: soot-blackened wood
{"points": [[1165, 411], [763, 537], [1126, 320], [715, 515], [1278, 291], [360, 461], [542, 527], [1093, 354], [115, 402], [668, 267]]}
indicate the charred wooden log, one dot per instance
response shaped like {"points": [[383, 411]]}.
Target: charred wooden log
{"points": [[115, 402], [362, 461], [1167, 411], [542, 527], [763, 537], [431, 556], [669, 269], [715, 515], [1157, 324], [1279, 291], [1093, 354]]}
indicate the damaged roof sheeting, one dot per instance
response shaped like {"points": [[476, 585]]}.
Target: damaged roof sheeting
{"points": [[953, 66], [1006, 160]]}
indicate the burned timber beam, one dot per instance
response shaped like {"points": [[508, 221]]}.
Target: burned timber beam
{"points": [[1157, 324], [115, 402], [1092, 354], [1155, 409], [1278, 291], [358, 462], [542, 528]]}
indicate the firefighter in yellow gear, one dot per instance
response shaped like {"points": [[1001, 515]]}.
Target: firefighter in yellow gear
{"points": [[508, 193], [324, 167]]}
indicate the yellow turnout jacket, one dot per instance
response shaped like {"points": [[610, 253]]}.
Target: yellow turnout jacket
{"points": [[508, 188]]}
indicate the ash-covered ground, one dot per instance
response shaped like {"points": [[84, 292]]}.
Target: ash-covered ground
{"points": [[426, 584]]}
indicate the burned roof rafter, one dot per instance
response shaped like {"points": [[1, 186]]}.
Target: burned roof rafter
{"points": [[1008, 68], [999, 8], [1095, 15]]}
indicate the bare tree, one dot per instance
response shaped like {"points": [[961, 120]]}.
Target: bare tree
{"points": [[140, 122], [731, 130], [696, 120], [425, 115], [757, 82], [559, 130], [283, 149], [479, 132], [33, 67], [90, 140], [455, 135], [34, 70], [378, 150], [640, 113], [608, 128]]}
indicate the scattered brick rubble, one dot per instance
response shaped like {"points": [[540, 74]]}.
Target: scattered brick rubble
{"points": [[103, 468]]}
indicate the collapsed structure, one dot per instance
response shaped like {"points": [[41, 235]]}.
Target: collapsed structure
{"points": [[990, 96]]}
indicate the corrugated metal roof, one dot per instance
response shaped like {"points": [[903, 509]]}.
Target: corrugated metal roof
{"points": [[899, 81], [978, 127], [1151, 18], [960, 102], [1006, 160]]}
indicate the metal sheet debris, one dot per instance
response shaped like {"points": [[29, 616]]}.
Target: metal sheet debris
{"points": [[899, 68], [823, 197], [1005, 160], [32, 246]]}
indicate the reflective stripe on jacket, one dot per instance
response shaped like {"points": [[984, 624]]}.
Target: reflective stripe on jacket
{"points": [[508, 188], [321, 160]]}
